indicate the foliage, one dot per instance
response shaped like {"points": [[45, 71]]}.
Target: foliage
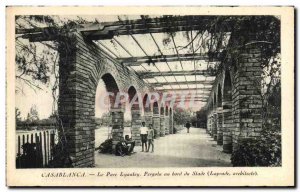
{"points": [[181, 116], [220, 45], [264, 150], [37, 61], [61, 157], [18, 115], [33, 114], [36, 64]]}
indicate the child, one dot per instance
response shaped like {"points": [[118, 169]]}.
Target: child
{"points": [[143, 133], [150, 138]]}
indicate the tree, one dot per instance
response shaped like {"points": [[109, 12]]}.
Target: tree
{"points": [[181, 116], [18, 115], [33, 114]]}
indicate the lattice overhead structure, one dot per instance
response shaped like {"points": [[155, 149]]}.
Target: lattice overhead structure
{"points": [[128, 42]]}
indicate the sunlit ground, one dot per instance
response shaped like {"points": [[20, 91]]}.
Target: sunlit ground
{"points": [[196, 149]]}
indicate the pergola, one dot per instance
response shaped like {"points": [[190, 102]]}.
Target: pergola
{"points": [[181, 65], [215, 61]]}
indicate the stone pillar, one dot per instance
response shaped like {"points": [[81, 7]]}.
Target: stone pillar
{"points": [[76, 103], [136, 123], [215, 123], [167, 126], [148, 118], [156, 124], [210, 123], [247, 99], [171, 126], [162, 125], [207, 123], [117, 122], [219, 125], [227, 127]]}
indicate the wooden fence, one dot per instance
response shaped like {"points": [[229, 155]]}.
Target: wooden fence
{"points": [[35, 150]]}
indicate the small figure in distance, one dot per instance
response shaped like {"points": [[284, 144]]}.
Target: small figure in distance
{"points": [[188, 125]]}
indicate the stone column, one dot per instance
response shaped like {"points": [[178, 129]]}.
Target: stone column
{"points": [[207, 123], [148, 118], [76, 102], [117, 122], [136, 123], [167, 126], [210, 123], [220, 127], [156, 124], [171, 126], [227, 126], [162, 125], [215, 123], [247, 101]]}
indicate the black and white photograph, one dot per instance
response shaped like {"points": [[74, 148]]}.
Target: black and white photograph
{"points": [[137, 91]]}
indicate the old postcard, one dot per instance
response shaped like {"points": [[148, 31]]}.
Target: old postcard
{"points": [[150, 96]]}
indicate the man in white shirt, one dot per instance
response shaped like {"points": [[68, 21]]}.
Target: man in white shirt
{"points": [[144, 134]]}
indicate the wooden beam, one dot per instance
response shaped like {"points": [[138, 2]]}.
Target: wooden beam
{"points": [[186, 89], [147, 75], [198, 100], [154, 25], [182, 83], [107, 30], [136, 61]]}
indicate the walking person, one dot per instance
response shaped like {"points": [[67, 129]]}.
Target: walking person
{"points": [[188, 125], [144, 134], [150, 138]]}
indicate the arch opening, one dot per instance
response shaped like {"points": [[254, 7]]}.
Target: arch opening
{"points": [[133, 98], [155, 108], [146, 103], [108, 112], [227, 93]]}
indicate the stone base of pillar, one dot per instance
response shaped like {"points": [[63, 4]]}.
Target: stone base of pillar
{"points": [[156, 125], [220, 139], [148, 118], [227, 144], [167, 132], [117, 118], [162, 126], [220, 126], [136, 123]]}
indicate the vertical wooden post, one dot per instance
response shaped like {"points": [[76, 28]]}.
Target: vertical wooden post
{"points": [[45, 148]]}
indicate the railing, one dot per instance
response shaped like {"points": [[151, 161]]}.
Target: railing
{"points": [[35, 149]]}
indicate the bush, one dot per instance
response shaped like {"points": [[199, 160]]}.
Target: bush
{"points": [[264, 150]]}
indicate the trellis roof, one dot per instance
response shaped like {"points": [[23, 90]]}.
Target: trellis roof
{"points": [[159, 51]]}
